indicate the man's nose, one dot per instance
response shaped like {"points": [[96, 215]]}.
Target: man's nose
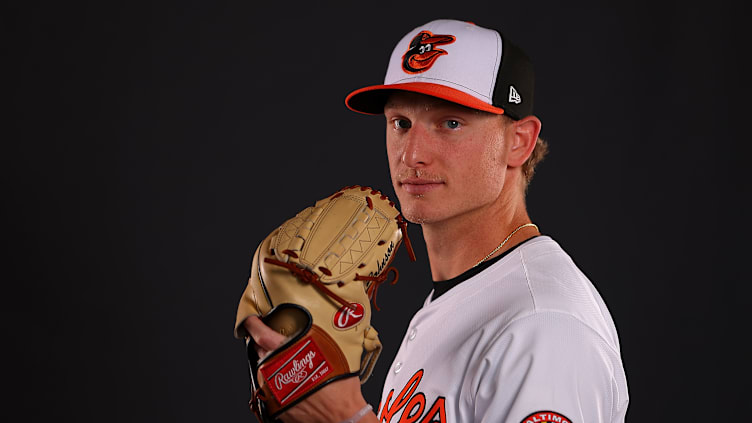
{"points": [[417, 152]]}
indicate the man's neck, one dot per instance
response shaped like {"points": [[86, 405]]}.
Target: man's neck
{"points": [[458, 244]]}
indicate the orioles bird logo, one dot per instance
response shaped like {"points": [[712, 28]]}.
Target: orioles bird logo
{"points": [[422, 52]]}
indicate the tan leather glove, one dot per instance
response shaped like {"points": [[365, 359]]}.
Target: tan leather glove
{"points": [[311, 280]]}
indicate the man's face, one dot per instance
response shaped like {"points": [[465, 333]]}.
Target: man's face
{"points": [[445, 160]]}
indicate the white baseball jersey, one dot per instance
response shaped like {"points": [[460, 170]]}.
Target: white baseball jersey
{"points": [[528, 339]]}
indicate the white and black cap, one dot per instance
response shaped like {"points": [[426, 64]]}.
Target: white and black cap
{"points": [[457, 61]]}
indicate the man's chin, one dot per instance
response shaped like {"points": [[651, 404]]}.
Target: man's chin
{"points": [[417, 216], [416, 208]]}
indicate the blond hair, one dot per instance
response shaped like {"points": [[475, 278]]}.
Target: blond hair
{"points": [[539, 153], [537, 156]]}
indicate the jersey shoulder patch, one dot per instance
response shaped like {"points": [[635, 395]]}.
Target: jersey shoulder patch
{"points": [[546, 416]]}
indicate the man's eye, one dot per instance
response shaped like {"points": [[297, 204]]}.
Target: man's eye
{"points": [[401, 123], [452, 124]]}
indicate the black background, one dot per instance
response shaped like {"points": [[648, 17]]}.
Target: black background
{"points": [[152, 146]]}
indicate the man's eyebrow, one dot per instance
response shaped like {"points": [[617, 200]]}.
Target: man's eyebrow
{"points": [[424, 105]]}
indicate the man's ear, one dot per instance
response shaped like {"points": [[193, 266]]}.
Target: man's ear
{"points": [[523, 134]]}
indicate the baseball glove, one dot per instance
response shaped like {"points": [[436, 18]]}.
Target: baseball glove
{"points": [[312, 280]]}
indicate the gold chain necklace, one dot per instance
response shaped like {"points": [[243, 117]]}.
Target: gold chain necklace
{"points": [[505, 241]]}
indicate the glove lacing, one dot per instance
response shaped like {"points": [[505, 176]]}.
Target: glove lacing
{"points": [[309, 277], [376, 281], [253, 403]]}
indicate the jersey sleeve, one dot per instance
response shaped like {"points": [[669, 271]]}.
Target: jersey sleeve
{"points": [[548, 366]]}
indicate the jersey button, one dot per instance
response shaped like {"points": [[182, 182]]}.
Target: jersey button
{"points": [[412, 334], [397, 367]]}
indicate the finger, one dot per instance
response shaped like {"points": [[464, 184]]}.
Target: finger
{"points": [[265, 338]]}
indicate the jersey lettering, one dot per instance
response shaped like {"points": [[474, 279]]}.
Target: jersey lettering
{"points": [[413, 405]]}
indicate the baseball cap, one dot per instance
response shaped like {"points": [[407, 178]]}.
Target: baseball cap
{"points": [[456, 61]]}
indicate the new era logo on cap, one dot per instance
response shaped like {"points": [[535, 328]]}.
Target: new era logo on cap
{"points": [[459, 62], [514, 96]]}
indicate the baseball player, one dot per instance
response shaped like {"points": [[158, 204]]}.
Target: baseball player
{"points": [[513, 331]]}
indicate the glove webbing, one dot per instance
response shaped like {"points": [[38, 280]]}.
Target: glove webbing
{"points": [[400, 220], [312, 278]]}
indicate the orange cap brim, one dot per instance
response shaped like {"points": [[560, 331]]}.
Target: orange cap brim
{"points": [[371, 100]]}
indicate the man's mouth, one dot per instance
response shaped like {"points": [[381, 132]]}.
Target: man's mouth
{"points": [[419, 186]]}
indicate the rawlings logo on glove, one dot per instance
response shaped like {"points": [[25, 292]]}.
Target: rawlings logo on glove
{"points": [[346, 317]]}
